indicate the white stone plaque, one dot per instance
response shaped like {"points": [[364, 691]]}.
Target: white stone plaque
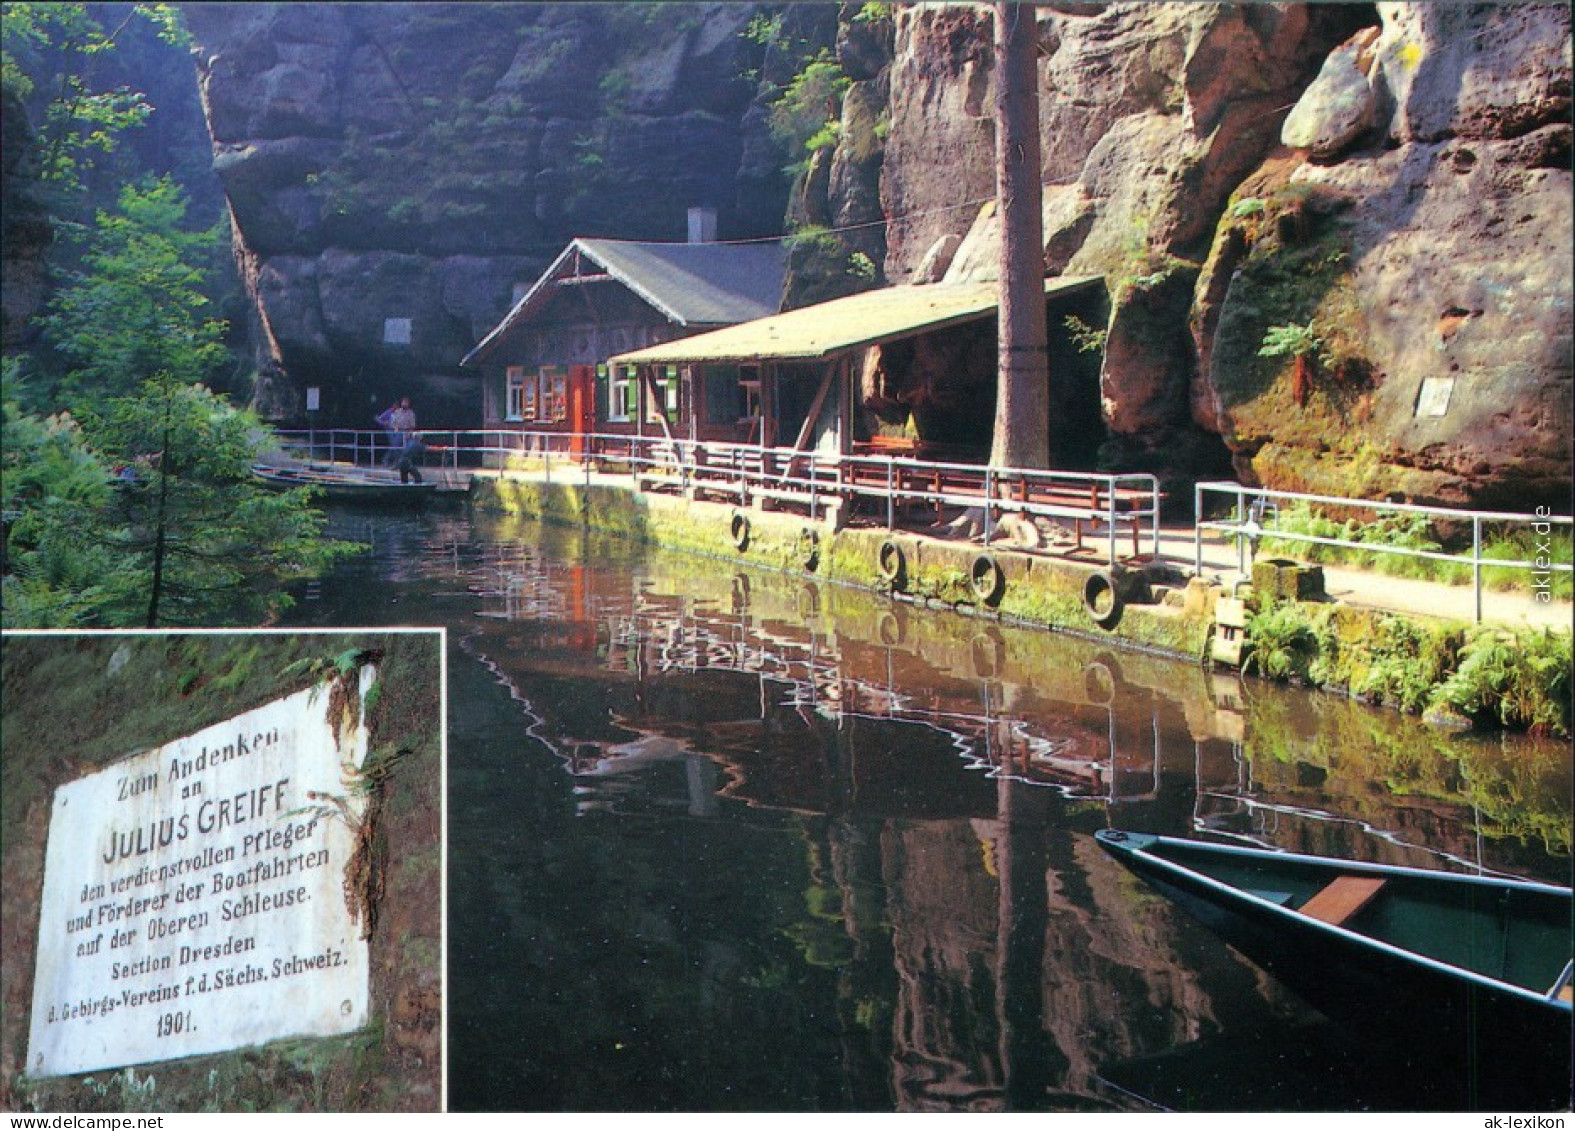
{"points": [[1433, 399], [194, 895]]}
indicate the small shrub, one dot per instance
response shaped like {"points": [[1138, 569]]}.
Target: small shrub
{"points": [[1516, 679], [1085, 337], [1284, 642], [1407, 664], [1290, 341]]}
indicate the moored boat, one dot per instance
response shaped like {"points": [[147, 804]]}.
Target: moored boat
{"points": [[1442, 971], [359, 484]]}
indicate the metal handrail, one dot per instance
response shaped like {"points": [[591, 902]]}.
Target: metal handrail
{"points": [[1247, 529], [750, 470]]}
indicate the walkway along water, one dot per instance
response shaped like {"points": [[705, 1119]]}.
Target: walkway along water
{"points": [[1038, 547]]}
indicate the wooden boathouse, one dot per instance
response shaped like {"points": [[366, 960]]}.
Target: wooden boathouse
{"points": [[542, 365], [906, 370]]}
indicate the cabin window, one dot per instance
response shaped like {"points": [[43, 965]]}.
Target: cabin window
{"points": [[665, 396], [396, 331], [749, 386], [725, 402], [621, 394], [528, 400], [554, 393], [514, 394]]}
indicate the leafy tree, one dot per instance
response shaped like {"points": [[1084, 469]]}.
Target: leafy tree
{"points": [[53, 490], [806, 116], [81, 118], [185, 536], [135, 307]]}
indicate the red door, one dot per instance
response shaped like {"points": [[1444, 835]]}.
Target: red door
{"points": [[582, 408]]}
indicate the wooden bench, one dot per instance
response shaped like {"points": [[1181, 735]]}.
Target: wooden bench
{"points": [[898, 446], [1091, 504], [1342, 898]]}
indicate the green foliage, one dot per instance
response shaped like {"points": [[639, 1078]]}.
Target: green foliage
{"points": [[82, 121], [763, 29], [1514, 679], [1290, 341], [861, 266], [43, 457], [813, 237], [135, 308], [1407, 663], [1526, 546], [1247, 207], [806, 115], [1414, 531], [187, 536], [339, 666], [1085, 337], [1284, 643]]}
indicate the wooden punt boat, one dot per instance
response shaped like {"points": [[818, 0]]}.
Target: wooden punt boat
{"points": [[1454, 973], [348, 484]]}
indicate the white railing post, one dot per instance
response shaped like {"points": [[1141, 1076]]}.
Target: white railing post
{"points": [[989, 502], [1476, 563], [1241, 520], [891, 495], [1110, 505], [1153, 502], [1197, 530]]}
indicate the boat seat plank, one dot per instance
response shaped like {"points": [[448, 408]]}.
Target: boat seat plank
{"points": [[1342, 898]]}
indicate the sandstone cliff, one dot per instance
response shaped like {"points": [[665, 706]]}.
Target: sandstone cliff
{"points": [[1413, 217], [394, 171], [1384, 190]]}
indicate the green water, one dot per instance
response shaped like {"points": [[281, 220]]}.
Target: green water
{"points": [[722, 840]]}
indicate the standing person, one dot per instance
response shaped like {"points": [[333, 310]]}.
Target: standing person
{"points": [[385, 421], [408, 471], [400, 421], [408, 444]]}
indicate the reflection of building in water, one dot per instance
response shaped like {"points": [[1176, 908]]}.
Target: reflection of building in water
{"points": [[1086, 744]]}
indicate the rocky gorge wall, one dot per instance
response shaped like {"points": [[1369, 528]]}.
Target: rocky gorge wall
{"points": [[1336, 237], [395, 171], [1384, 189]]}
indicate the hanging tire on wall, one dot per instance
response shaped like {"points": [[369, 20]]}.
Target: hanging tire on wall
{"points": [[740, 531], [893, 564], [1102, 599], [987, 580], [809, 548]]}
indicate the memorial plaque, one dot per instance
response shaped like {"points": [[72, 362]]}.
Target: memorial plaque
{"points": [[194, 895], [1433, 399]]}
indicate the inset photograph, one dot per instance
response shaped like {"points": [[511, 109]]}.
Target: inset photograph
{"points": [[222, 871]]}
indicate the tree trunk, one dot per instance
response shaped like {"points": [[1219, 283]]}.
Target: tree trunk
{"points": [[1022, 399]]}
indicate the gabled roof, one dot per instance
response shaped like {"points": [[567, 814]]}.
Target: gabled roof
{"points": [[689, 284], [811, 333]]}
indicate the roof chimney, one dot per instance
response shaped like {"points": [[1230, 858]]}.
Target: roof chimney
{"points": [[702, 225]]}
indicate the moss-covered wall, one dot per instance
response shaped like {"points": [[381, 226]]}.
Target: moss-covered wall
{"points": [[73, 704], [1518, 680], [935, 573]]}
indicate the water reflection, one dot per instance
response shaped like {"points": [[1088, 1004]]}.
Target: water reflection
{"points": [[726, 839]]}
